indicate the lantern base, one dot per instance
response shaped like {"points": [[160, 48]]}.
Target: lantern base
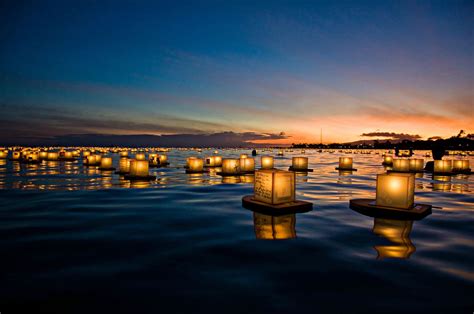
{"points": [[467, 171], [409, 171], [247, 172], [367, 207], [105, 169], [67, 159], [139, 178], [300, 170], [29, 161], [442, 173], [212, 166], [224, 174], [250, 203], [195, 171], [121, 172], [345, 169], [89, 165], [387, 164]]}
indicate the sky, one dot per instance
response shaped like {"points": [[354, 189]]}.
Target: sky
{"points": [[266, 71]]}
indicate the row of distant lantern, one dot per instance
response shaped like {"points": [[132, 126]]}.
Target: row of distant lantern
{"points": [[418, 165]]}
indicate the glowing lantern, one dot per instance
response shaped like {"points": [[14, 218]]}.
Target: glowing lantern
{"points": [[188, 160], [53, 156], [247, 164], [195, 164], [345, 163], [216, 152], [231, 166], [242, 156], [401, 165], [68, 155], [124, 165], [397, 232], [106, 163], [267, 162], [443, 166], [154, 159], [299, 163], [43, 155], [211, 161], [274, 227], [387, 160], [280, 153], [16, 155], [140, 156], [86, 153], [124, 153], [90, 160], [274, 186], [218, 161], [416, 164], [3, 154], [460, 165], [138, 168], [395, 190], [163, 159], [32, 157]]}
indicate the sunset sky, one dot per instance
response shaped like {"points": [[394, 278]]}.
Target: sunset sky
{"points": [[275, 71]]}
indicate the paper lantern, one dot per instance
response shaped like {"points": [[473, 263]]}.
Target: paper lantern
{"points": [[299, 163], [401, 165], [247, 164], [138, 168], [267, 162], [68, 155], [16, 155], [242, 156], [124, 165], [443, 166], [280, 153], [154, 159], [32, 157], [196, 164], [52, 156], [274, 227], [398, 233], [106, 163], [216, 152], [218, 161], [98, 158], [124, 153], [387, 160], [3, 154], [274, 186], [395, 190], [231, 166], [43, 155], [345, 163], [461, 165], [188, 160], [90, 160], [163, 159], [140, 156], [416, 164]]}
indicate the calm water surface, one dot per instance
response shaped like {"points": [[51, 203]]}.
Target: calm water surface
{"points": [[79, 240]]}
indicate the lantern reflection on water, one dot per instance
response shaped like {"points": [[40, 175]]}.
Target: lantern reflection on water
{"points": [[397, 232], [442, 183], [395, 190], [274, 227]]}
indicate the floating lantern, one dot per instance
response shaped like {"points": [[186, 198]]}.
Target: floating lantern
{"points": [[90, 160], [139, 170], [230, 167], [394, 198], [3, 154], [345, 164], [154, 160], [213, 161], [124, 165], [247, 165], [395, 190], [52, 156], [163, 160], [106, 164], [43, 155], [32, 157], [387, 160], [16, 155], [98, 158], [274, 190], [67, 156], [140, 156], [398, 233], [124, 153], [188, 160], [242, 156], [299, 164], [269, 227], [216, 152], [461, 166], [443, 166], [416, 165], [274, 187], [280, 153], [401, 165], [267, 162], [195, 165], [86, 153]]}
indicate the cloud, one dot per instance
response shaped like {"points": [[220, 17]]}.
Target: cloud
{"points": [[393, 135]]}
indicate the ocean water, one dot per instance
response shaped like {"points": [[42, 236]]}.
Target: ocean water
{"points": [[78, 240]]}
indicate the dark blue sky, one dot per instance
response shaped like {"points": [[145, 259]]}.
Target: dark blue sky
{"points": [[150, 67]]}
